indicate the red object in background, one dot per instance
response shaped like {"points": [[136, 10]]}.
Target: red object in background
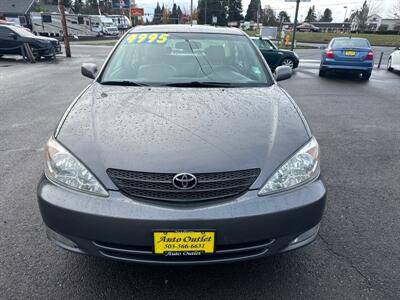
{"points": [[137, 12]]}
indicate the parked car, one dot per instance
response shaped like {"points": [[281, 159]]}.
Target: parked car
{"points": [[274, 56], [12, 38], [183, 150], [394, 60], [349, 55], [307, 27]]}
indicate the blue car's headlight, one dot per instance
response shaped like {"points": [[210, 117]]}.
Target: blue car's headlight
{"points": [[302, 167]]}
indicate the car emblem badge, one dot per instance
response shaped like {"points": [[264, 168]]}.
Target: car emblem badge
{"points": [[184, 181]]}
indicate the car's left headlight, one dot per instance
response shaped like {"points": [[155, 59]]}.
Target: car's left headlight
{"points": [[302, 167], [65, 169]]}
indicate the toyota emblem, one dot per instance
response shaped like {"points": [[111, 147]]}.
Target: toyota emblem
{"points": [[184, 181]]}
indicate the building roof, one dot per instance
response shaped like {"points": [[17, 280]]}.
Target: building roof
{"points": [[188, 28], [15, 6]]}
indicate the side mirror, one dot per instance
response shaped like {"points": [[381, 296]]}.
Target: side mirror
{"points": [[89, 70], [13, 35], [322, 47], [283, 72]]}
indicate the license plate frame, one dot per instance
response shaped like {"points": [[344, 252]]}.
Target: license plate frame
{"points": [[350, 53], [187, 248]]}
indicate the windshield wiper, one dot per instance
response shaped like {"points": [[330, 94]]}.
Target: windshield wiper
{"points": [[200, 84], [123, 83]]}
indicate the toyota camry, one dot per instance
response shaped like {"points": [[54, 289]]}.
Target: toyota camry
{"points": [[182, 150]]}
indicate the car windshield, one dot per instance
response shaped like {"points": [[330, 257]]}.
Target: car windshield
{"points": [[350, 43], [186, 59], [264, 44], [22, 32]]}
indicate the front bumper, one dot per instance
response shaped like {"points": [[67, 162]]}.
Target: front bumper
{"points": [[120, 228]]}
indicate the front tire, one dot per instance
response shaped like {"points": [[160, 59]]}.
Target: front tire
{"points": [[389, 64], [288, 62]]}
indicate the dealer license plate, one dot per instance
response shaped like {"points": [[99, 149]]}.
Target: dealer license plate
{"points": [[184, 242], [350, 53]]}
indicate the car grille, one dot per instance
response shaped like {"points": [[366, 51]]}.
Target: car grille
{"points": [[159, 186], [222, 253]]}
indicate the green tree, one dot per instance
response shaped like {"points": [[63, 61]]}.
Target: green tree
{"points": [[251, 14], [283, 15], [311, 15], [179, 13], [235, 10], [77, 6], [207, 9], [362, 17], [67, 3], [157, 14], [90, 7], [269, 17], [327, 16], [174, 15]]}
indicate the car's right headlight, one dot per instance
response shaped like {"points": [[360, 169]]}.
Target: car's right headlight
{"points": [[63, 168], [302, 167]]}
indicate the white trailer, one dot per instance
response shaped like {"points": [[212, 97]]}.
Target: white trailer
{"points": [[106, 25], [122, 22], [49, 24]]}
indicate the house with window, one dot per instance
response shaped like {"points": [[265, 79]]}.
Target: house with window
{"points": [[377, 23], [16, 11]]}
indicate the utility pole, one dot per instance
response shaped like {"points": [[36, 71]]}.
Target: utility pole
{"points": [[130, 12], [205, 12], [295, 25], [345, 13], [258, 14], [61, 8], [191, 12]]}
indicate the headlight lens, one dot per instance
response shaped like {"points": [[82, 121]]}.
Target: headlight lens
{"points": [[300, 168], [63, 168]]}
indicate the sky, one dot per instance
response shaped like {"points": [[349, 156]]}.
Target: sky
{"points": [[337, 6]]}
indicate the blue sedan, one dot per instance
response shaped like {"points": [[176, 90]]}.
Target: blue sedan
{"points": [[348, 54]]}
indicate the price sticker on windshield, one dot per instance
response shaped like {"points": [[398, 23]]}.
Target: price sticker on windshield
{"points": [[147, 38]]}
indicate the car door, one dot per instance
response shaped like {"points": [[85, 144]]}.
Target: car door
{"points": [[9, 42], [269, 52], [274, 53], [396, 59]]}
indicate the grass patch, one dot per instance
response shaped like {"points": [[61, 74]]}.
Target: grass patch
{"points": [[324, 37], [99, 43]]}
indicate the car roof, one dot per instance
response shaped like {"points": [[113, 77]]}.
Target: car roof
{"points": [[7, 26], [188, 29], [257, 38], [349, 38]]}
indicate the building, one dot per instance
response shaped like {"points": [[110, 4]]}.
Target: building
{"points": [[16, 11], [390, 24], [377, 23]]}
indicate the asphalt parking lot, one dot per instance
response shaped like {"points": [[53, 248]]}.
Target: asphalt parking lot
{"points": [[357, 253]]}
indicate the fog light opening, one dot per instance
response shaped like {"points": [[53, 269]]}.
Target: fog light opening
{"points": [[60, 240], [306, 235]]}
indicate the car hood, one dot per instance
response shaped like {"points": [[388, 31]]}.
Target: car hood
{"points": [[288, 52], [173, 130], [44, 38]]}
